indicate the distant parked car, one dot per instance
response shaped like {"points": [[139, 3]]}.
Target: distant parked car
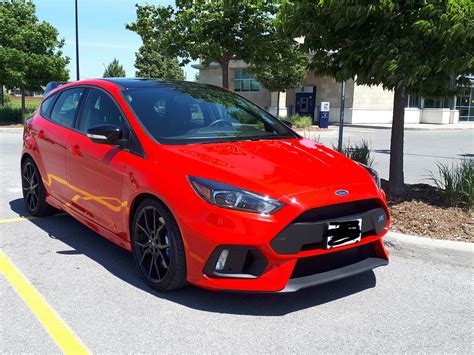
{"points": [[53, 85], [202, 186]]}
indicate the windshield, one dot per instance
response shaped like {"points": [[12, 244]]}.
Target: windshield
{"points": [[185, 113]]}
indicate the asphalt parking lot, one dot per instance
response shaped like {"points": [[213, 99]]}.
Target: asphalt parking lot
{"points": [[423, 149], [413, 305]]}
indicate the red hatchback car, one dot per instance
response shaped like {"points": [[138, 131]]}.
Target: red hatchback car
{"points": [[202, 186]]}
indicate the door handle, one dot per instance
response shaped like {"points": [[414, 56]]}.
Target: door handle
{"points": [[41, 134], [75, 150]]}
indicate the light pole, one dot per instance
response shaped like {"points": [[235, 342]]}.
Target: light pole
{"points": [[341, 116], [77, 45]]}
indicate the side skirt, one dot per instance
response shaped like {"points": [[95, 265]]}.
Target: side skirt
{"points": [[89, 223]]}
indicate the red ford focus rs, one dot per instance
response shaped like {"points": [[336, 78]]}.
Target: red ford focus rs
{"points": [[202, 186]]}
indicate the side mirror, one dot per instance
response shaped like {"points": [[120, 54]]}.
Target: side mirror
{"points": [[105, 134], [288, 123]]}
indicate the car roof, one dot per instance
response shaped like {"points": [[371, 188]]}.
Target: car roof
{"points": [[133, 83]]}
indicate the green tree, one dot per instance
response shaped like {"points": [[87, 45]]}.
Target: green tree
{"points": [[30, 51], [212, 31], [114, 70], [285, 68], [410, 47], [150, 63]]}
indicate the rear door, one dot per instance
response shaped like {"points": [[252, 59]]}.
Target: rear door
{"points": [[95, 171], [59, 112]]}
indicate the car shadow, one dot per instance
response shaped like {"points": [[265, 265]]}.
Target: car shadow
{"points": [[119, 263]]}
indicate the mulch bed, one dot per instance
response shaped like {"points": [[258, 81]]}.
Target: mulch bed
{"points": [[422, 210]]}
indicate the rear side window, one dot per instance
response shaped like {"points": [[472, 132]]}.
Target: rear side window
{"points": [[65, 108], [46, 105]]}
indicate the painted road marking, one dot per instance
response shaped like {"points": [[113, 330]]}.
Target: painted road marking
{"points": [[51, 321], [17, 219], [21, 219]]}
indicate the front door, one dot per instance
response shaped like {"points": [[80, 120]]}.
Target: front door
{"points": [[95, 171]]}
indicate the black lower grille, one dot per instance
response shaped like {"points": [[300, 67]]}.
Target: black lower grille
{"points": [[335, 260]]}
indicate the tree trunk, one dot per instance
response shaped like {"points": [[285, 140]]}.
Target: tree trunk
{"points": [[278, 104], [23, 106], [2, 96], [397, 183], [225, 74]]}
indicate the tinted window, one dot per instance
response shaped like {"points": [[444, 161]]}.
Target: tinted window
{"points": [[46, 105], [64, 110], [99, 109], [181, 113]]}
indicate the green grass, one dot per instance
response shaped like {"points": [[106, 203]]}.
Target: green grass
{"points": [[11, 112], [457, 182]]}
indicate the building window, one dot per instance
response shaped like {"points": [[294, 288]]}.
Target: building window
{"points": [[445, 102], [465, 103], [245, 82], [413, 101]]}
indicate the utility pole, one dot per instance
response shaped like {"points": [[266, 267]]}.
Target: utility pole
{"points": [[77, 45], [341, 116]]}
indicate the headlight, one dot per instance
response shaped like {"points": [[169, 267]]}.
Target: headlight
{"points": [[374, 173], [232, 197]]}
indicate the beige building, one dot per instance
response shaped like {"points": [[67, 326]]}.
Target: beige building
{"points": [[363, 104]]}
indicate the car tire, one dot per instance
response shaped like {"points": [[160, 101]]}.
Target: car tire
{"points": [[158, 247], [34, 192]]}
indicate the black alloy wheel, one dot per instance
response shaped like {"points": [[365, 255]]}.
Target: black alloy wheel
{"points": [[34, 192], [158, 247]]}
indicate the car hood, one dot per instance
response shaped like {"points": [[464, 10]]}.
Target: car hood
{"points": [[278, 168]]}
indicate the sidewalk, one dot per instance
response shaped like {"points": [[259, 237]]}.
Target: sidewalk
{"points": [[414, 126]]}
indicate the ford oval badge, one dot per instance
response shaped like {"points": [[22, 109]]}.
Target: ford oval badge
{"points": [[342, 192]]}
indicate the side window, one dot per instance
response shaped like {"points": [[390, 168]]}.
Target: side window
{"points": [[100, 109], [46, 105], [64, 110]]}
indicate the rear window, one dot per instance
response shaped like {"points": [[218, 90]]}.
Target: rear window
{"points": [[46, 105]]}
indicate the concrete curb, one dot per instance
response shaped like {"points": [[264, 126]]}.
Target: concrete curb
{"points": [[448, 251], [11, 129]]}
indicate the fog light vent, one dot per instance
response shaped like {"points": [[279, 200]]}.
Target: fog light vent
{"points": [[236, 261], [222, 259]]}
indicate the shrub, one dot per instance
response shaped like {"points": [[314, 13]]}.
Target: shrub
{"points": [[359, 152], [457, 182], [300, 121]]}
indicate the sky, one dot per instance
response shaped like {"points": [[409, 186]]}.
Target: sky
{"points": [[102, 33]]}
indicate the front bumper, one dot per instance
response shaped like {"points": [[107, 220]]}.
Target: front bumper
{"points": [[292, 256], [334, 266]]}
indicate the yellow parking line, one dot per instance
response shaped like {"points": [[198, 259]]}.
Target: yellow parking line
{"points": [[21, 219], [17, 219], [54, 325]]}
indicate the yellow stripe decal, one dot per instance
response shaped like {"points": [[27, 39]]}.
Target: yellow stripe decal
{"points": [[115, 206], [54, 325]]}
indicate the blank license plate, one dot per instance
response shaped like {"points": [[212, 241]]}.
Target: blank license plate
{"points": [[343, 233]]}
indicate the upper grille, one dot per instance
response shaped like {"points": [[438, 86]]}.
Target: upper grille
{"points": [[337, 211]]}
